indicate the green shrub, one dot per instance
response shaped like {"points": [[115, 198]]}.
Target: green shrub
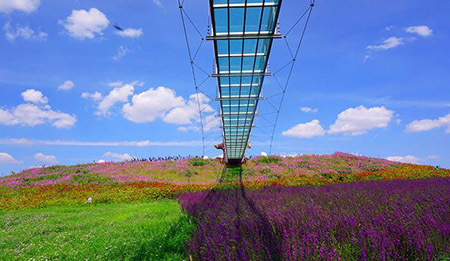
{"points": [[197, 162], [269, 160], [333, 176], [92, 179]]}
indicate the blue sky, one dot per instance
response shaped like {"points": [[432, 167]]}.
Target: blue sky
{"points": [[372, 78]]}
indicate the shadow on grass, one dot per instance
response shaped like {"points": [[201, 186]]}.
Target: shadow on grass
{"points": [[230, 225], [166, 246]]}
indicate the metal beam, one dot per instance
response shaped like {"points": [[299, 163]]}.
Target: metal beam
{"points": [[242, 36], [241, 74], [239, 98]]}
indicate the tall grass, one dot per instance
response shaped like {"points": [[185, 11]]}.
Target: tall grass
{"points": [[133, 231]]}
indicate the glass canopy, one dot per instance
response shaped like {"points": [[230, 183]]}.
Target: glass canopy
{"points": [[242, 31]]}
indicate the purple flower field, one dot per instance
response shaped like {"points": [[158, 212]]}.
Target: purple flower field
{"points": [[370, 220]]}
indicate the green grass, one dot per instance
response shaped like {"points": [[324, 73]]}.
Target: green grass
{"points": [[133, 231], [269, 160], [197, 162]]}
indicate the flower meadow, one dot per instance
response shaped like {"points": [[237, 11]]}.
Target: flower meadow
{"points": [[315, 207], [370, 220], [143, 180]]}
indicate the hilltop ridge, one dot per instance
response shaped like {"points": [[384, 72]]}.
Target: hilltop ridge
{"points": [[144, 180]]}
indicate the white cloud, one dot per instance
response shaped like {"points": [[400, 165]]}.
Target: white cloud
{"points": [[45, 158], [121, 52], [429, 124], [137, 83], [432, 157], [115, 84], [5, 158], [35, 114], [61, 120], [389, 43], [82, 24], [405, 159], [184, 114], [31, 95], [163, 103], [366, 58], [118, 156], [359, 120], [264, 154], [421, 30], [158, 3], [210, 122], [27, 6], [305, 130], [96, 96], [31, 115], [130, 32], [389, 27], [309, 110], [188, 128], [23, 32], [67, 85], [143, 143], [154, 103], [36, 167], [151, 104], [118, 94]]}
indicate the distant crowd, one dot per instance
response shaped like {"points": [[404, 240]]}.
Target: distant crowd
{"points": [[167, 158], [173, 158]]}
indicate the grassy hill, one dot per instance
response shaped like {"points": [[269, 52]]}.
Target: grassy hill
{"points": [[144, 180], [175, 209]]}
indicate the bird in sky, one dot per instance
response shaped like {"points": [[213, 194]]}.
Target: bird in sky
{"points": [[118, 27]]}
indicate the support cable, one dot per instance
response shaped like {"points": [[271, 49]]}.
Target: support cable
{"points": [[285, 66], [261, 129], [273, 106], [202, 82], [288, 47], [198, 49], [273, 95], [200, 68], [308, 11], [191, 62], [269, 113], [209, 97], [299, 19], [192, 23], [207, 105]]}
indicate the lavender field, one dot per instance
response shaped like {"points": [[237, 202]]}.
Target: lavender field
{"points": [[370, 220]]}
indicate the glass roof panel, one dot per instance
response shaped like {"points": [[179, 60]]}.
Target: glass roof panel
{"points": [[268, 18], [223, 64], [248, 64], [240, 61], [236, 19], [221, 20], [235, 47], [250, 45], [252, 19], [222, 46]]}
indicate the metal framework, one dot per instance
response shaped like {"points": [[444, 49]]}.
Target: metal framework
{"points": [[242, 32]]}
